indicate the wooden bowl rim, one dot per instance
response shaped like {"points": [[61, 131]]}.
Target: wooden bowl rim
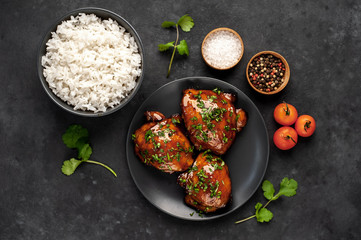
{"points": [[223, 29], [286, 76]]}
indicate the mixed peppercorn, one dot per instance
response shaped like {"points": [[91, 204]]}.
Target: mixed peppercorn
{"points": [[266, 72]]}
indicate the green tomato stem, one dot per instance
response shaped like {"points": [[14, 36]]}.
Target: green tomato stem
{"points": [[101, 164], [175, 46], [307, 125], [287, 110], [246, 219], [289, 137]]}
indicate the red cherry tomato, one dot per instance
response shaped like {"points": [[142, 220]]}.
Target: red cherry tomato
{"points": [[305, 125], [285, 138], [285, 114]]}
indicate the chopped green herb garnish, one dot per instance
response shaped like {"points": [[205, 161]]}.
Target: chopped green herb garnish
{"points": [[225, 139], [190, 149], [217, 90], [214, 189], [148, 135], [206, 152], [161, 134], [158, 158], [175, 120], [211, 98], [200, 104], [178, 156]]}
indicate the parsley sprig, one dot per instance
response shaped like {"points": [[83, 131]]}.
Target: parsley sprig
{"points": [[78, 137], [186, 23], [288, 188]]}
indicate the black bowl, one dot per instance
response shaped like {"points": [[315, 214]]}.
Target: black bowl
{"points": [[103, 14]]}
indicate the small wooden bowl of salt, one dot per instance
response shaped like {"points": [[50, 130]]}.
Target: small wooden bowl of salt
{"points": [[222, 48]]}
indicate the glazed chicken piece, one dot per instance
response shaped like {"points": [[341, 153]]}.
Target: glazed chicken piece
{"points": [[211, 119], [161, 143], [207, 183]]}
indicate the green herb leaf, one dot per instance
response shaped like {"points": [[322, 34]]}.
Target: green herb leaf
{"points": [[85, 152], [165, 47], [81, 142], [268, 189], [69, 166], [77, 137], [182, 48], [186, 23], [258, 206], [264, 215], [167, 24], [73, 134], [288, 188]]}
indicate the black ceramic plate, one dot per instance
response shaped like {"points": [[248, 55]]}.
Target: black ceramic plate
{"points": [[247, 158]]}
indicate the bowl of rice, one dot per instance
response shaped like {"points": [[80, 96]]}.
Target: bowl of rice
{"points": [[91, 62]]}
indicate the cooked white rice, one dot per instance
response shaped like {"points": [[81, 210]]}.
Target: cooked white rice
{"points": [[91, 64]]}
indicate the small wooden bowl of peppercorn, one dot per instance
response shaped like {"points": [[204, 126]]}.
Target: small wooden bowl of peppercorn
{"points": [[268, 72]]}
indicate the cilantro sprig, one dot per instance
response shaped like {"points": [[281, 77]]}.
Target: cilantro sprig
{"points": [[186, 23], [78, 137], [288, 188]]}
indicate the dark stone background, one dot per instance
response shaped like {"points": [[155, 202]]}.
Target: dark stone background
{"points": [[319, 39]]}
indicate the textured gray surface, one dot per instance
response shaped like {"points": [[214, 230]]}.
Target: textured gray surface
{"points": [[319, 39]]}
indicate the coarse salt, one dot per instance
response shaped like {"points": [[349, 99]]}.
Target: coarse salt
{"points": [[222, 49]]}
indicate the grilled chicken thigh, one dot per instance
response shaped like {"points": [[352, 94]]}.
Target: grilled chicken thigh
{"points": [[207, 183], [161, 143], [211, 119]]}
